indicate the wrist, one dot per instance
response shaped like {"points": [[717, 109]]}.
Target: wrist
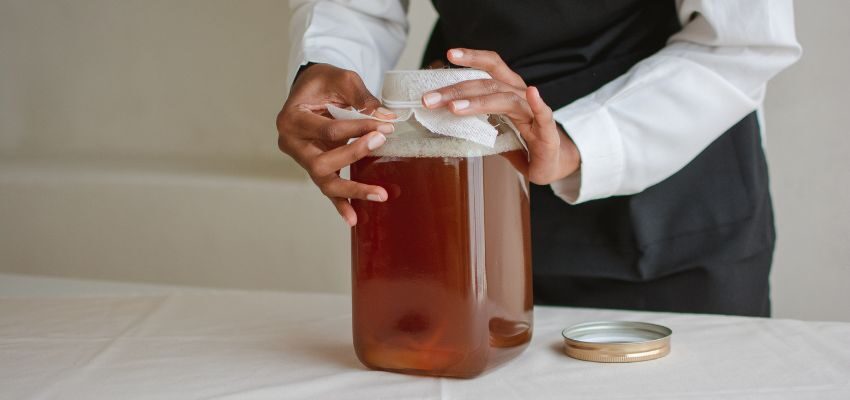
{"points": [[303, 68]]}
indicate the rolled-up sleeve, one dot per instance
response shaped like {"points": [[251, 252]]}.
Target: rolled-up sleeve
{"points": [[365, 36], [649, 123]]}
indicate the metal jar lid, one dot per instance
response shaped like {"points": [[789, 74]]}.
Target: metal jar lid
{"points": [[617, 341]]}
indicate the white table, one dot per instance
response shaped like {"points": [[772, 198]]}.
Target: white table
{"points": [[86, 340]]}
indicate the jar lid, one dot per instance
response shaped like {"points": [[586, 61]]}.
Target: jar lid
{"points": [[617, 341]]}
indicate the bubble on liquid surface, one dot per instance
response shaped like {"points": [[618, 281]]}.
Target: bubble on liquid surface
{"points": [[411, 139]]}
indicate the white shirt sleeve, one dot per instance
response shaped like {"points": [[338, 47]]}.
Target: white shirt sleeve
{"points": [[649, 123], [365, 36]]}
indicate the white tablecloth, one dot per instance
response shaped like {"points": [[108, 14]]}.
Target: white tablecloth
{"points": [[187, 344]]}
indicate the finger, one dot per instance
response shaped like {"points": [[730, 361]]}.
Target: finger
{"points": [[328, 162], [467, 89], [354, 92], [334, 186], [345, 210], [510, 104], [544, 142], [312, 126], [488, 61], [544, 127], [436, 64], [384, 113]]}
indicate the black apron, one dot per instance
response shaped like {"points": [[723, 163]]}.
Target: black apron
{"points": [[700, 241]]}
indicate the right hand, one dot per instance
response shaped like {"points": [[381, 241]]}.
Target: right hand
{"points": [[308, 134]]}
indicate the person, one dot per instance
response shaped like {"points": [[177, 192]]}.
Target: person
{"points": [[642, 118]]}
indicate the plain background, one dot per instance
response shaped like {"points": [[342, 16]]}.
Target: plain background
{"points": [[137, 143]]}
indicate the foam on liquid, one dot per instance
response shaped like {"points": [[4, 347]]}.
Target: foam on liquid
{"points": [[411, 139]]}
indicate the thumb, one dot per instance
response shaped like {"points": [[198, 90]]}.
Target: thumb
{"points": [[544, 125], [358, 96]]}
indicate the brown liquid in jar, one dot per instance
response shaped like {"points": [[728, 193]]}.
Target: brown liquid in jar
{"points": [[441, 272]]}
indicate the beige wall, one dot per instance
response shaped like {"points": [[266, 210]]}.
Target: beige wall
{"points": [[808, 147], [137, 143], [153, 78]]}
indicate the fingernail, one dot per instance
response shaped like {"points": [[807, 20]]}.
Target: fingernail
{"points": [[347, 222], [384, 111], [460, 104], [431, 98], [376, 141], [386, 128], [455, 53], [374, 197]]}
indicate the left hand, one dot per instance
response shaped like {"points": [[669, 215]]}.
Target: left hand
{"points": [[552, 155]]}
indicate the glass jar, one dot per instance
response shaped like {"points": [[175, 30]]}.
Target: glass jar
{"points": [[441, 271]]}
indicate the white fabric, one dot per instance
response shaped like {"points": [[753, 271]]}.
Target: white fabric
{"points": [[641, 128], [351, 113], [207, 344], [402, 92], [366, 36]]}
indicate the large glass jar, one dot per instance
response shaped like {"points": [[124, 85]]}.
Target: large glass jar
{"points": [[441, 271]]}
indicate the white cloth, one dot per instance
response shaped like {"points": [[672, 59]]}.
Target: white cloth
{"points": [[402, 92], [636, 131], [207, 344]]}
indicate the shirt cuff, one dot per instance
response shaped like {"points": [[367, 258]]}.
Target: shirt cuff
{"points": [[597, 138]]}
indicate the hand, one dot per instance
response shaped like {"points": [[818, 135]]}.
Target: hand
{"points": [[552, 154], [319, 143]]}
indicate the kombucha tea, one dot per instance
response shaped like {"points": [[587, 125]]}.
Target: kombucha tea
{"points": [[441, 271]]}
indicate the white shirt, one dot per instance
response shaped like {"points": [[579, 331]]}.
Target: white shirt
{"points": [[632, 133]]}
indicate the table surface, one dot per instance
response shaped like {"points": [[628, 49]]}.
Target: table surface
{"points": [[88, 340]]}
